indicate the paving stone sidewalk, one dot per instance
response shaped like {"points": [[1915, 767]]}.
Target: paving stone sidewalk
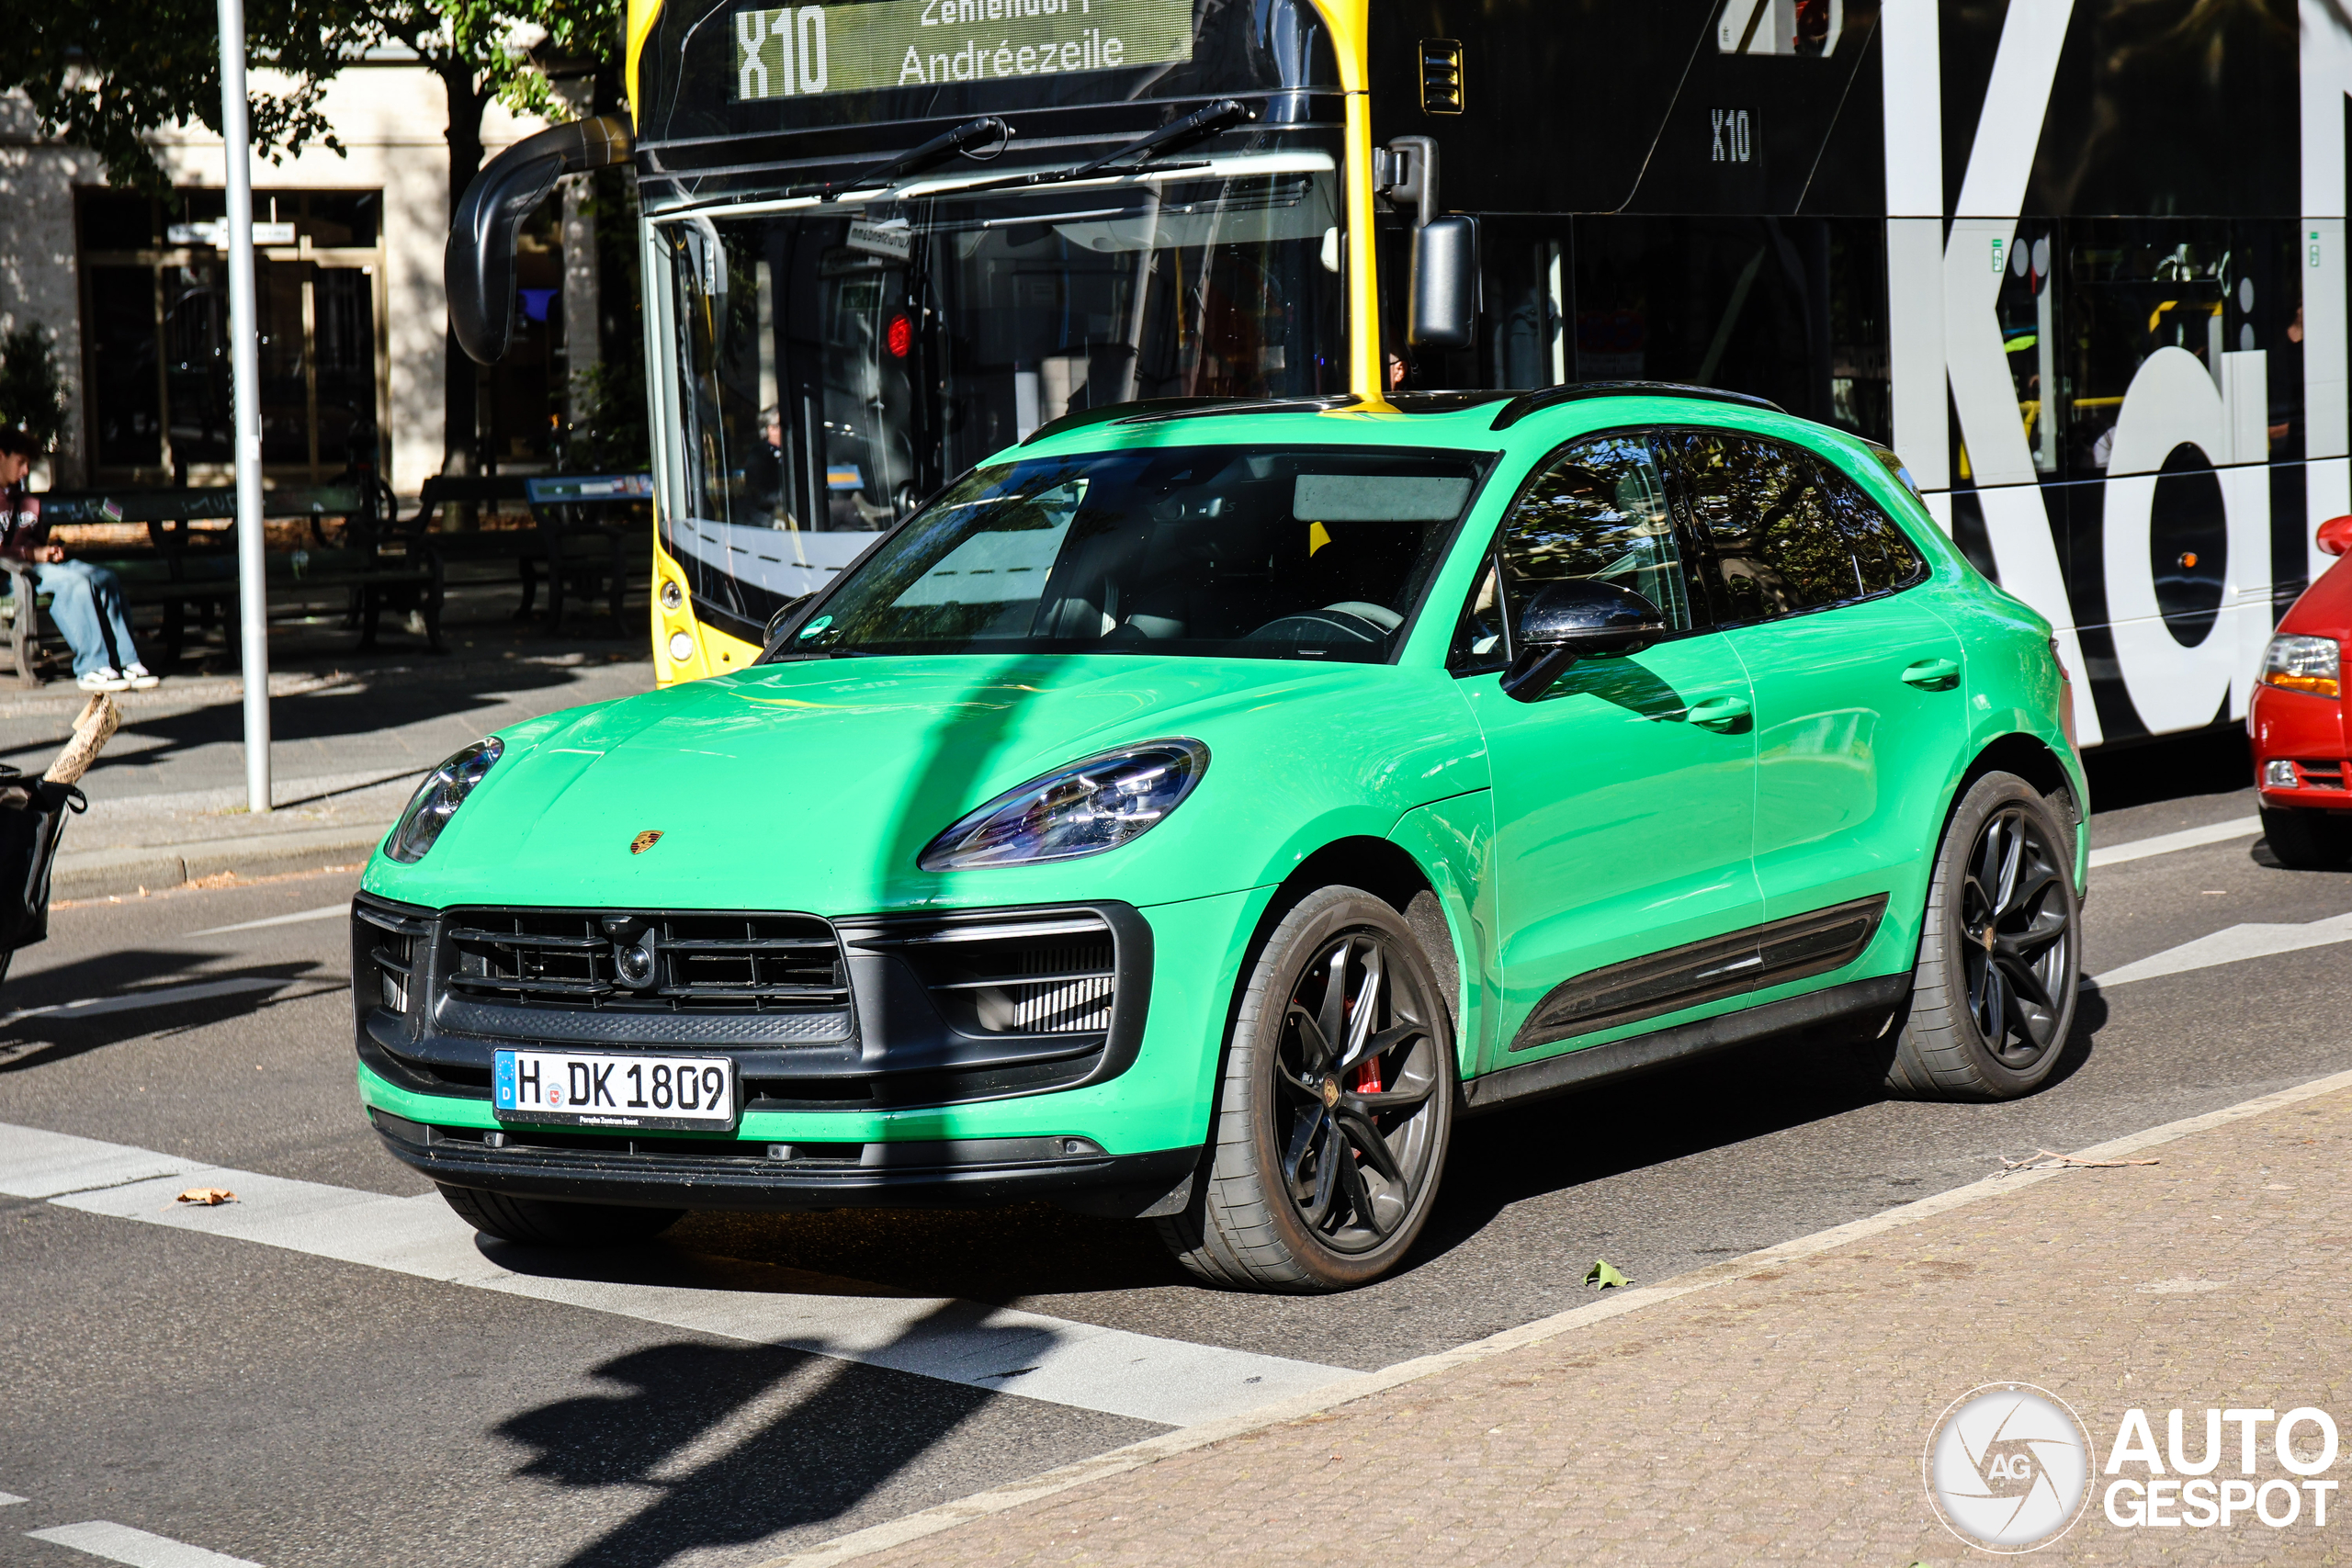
{"points": [[1780, 1415]]}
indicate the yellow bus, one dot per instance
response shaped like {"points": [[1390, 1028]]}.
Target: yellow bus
{"points": [[2094, 294]]}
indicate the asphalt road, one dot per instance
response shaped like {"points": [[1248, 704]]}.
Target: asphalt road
{"points": [[284, 1407]]}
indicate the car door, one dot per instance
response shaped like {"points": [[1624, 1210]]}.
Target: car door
{"points": [[1860, 705], [1624, 796]]}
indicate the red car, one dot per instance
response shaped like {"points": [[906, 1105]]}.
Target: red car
{"points": [[2301, 740]]}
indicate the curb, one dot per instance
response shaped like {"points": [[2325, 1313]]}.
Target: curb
{"points": [[99, 874], [1181, 1439]]}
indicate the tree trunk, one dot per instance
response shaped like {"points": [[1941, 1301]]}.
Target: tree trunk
{"points": [[460, 439]]}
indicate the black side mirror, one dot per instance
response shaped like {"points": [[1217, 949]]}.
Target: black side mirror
{"points": [[1445, 284], [1577, 619], [479, 267]]}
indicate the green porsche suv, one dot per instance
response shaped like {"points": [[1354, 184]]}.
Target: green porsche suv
{"points": [[1198, 810]]}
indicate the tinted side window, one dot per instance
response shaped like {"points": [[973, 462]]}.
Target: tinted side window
{"points": [[1885, 557], [1598, 510], [1766, 517]]}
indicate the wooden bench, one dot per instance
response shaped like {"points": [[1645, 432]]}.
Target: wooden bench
{"points": [[573, 541], [365, 554]]}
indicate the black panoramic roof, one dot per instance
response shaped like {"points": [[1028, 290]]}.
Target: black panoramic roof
{"points": [[1517, 405], [1543, 397]]}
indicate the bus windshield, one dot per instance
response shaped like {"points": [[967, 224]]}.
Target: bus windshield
{"points": [[1249, 552], [836, 364]]}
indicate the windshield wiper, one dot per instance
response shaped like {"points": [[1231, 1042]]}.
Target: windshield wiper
{"points": [[932, 152], [1199, 123]]}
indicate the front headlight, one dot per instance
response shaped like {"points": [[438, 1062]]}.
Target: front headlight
{"points": [[2303, 665], [1083, 809], [437, 799]]}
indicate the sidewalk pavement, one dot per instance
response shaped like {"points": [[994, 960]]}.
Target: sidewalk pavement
{"points": [[352, 736], [1774, 1408]]}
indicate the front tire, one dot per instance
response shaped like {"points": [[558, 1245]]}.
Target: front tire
{"points": [[2000, 951], [1337, 1106], [2306, 839], [545, 1222]]}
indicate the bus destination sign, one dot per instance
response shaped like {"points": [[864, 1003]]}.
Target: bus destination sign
{"points": [[801, 51]]}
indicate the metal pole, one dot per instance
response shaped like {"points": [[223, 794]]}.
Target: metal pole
{"points": [[244, 382]]}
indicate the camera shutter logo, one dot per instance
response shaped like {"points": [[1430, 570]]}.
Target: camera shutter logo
{"points": [[2007, 1467]]}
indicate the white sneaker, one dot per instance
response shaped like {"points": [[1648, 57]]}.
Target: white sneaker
{"points": [[142, 679], [102, 679]]}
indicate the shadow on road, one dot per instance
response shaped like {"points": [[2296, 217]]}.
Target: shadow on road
{"points": [[108, 998], [741, 1441]]}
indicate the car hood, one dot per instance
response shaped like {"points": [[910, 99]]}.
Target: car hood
{"points": [[815, 784]]}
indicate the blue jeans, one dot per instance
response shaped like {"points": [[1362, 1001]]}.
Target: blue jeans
{"points": [[86, 601]]}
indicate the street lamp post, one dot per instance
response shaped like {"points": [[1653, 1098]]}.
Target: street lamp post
{"points": [[245, 373]]}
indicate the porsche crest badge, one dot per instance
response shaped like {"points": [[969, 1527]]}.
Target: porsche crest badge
{"points": [[645, 840]]}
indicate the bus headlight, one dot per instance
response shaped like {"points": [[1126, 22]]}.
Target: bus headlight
{"points": [[1082, 809], [437, 799], [2303, 665]]}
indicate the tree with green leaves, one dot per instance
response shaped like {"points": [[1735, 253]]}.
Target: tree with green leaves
{"points": [[108, 75]]}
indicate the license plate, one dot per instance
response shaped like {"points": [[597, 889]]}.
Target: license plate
{"points": [[581, 1089]]}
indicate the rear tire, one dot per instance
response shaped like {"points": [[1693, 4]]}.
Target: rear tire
{"points": [[1993, 998], [1336, 1109], [2306, 839], [545, 1222]]}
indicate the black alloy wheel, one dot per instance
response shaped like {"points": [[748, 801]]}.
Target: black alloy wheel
{"points": [[1334, 1104], [1357, 1071], [2016, 939], [1994, 991]]}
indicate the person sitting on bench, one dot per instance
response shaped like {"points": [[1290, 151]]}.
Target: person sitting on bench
{"points": [[85, 601]]}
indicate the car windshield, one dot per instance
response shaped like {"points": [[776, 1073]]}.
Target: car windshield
{"points": [[1250, 552]]}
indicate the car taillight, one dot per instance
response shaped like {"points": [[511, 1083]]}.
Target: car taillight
{"points": [[2303, 665]]}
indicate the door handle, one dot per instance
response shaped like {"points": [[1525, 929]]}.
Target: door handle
{"points": [[1933, 674], [1719, 713]]}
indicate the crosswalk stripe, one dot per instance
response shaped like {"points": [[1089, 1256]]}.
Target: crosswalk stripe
{"points": [[161, 996], [1171, 1382], [2187, 838], [324, 912], [121, 1543], [2232, 944]]}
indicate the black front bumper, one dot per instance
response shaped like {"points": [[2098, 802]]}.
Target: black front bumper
{"points": [[691, 1173]]}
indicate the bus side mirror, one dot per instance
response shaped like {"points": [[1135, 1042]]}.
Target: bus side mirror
{"points": [[2335, 535], [479, 267], [1445, 284]]}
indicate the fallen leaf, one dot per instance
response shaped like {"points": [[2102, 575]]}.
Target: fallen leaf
{"points": [[210, 1197], [1603, 1275]]}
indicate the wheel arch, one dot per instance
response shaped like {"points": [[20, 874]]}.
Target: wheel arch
{"points": [[2029, 758]]}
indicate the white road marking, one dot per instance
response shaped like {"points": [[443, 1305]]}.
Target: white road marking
{"points": [[121, 1543], [2234, 945], [164, 996], [8, 1497], [1049, 1359], [2187, 838], [34, 1164], [323, 912]]}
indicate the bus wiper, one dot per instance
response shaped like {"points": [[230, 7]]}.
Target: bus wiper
{"points": [[1199, 123], [932, 152]]}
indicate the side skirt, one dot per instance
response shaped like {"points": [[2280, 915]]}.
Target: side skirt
{"points": [[1642, 1053]]}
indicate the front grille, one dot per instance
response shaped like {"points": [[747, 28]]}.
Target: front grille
{"points": [[387, 943], [589, 961], [2322, 774], [1047, 974]]}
